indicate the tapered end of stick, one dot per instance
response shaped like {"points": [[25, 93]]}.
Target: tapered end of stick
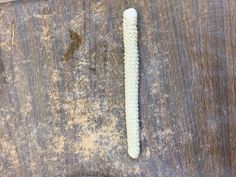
{"points": [[133, 153], [131, 12]]}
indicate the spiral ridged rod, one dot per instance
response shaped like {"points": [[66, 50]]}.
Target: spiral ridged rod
{"points": [[131, 80]]}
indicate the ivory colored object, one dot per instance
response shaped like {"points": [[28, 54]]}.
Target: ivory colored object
{"points": [[131, 80]]}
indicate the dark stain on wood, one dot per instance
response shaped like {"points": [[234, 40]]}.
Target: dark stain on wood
{"points": [[2, 76], [74, 45]]}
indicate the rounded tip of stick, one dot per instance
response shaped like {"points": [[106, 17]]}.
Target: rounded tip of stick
{"points": [[131, 12], [133, 154]]}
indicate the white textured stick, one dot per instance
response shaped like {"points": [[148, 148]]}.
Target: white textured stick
{"points": [[131, 80], [3, 1]]}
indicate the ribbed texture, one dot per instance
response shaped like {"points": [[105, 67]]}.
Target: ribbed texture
{"points": [[131, 80]]}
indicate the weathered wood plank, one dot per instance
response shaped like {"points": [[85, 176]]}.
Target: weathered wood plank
{"points": [[62, 90]]}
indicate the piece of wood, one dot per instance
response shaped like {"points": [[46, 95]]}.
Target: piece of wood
{"points": [[65, 117]]}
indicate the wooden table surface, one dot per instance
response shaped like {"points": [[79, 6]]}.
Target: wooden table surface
{"points": [[62, 88]]}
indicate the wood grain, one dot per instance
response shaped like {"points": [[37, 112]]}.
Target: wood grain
{"points": [[66, 118]]}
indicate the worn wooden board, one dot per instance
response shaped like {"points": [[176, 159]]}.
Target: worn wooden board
{"points": [[62, 90]]}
